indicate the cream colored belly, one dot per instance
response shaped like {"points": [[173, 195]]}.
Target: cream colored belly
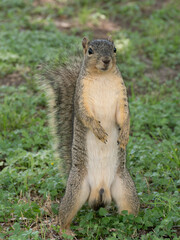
{"points": [[102, 159], [103, 95]]}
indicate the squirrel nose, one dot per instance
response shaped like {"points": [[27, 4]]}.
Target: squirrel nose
{"points": [[106, 61]]}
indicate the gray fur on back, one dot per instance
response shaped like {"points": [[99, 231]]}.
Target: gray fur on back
{"points": [[60, 85]]}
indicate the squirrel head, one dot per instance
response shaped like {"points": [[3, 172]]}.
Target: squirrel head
{"points": [[99, 54]]}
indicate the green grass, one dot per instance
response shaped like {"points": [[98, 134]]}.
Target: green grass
{"points": [[148, 56]]}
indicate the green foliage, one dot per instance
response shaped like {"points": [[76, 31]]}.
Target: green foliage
{"points": [[26, 41], [148, 57]]}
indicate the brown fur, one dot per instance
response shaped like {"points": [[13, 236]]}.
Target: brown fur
{"points": [[93, 105], [59, 84]]}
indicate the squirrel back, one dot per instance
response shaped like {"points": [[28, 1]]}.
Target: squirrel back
{"points": [[59, 83]]}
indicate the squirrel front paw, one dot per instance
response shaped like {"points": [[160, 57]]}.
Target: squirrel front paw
{"points": [[123, 139], [99, 131]]}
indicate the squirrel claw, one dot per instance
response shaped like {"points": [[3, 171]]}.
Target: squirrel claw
{"points": [[123, 147], [99, 132], [122, 143]]}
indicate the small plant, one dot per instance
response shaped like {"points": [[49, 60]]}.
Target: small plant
{"points": [[31, 182]]}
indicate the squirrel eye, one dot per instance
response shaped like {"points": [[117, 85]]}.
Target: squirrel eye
{"points": [[90, 51], [114, 50]]}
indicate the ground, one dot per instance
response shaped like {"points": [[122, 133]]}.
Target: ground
{"points": [[146, 35]]}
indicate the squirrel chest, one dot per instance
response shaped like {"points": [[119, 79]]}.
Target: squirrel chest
{"points": [[102, 94]]}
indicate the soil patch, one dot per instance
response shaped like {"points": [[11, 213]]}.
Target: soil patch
{"points": [[147, 11], [14, 79], [100, 30]]}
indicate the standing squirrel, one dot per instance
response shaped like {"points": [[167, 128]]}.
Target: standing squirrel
{"points": [[90, 114]]}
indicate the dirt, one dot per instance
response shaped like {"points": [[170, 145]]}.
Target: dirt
{"points": [[147, 11], [103, 27], [99, 29], [14, 79], [51, 2], [42, 223], [163, 74]]}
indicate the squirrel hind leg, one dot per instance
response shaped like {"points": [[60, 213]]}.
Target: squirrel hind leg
{"points": [[124, 193], [77, 192]]}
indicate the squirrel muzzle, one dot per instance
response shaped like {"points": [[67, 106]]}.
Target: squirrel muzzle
{"points": [[106, 63]]}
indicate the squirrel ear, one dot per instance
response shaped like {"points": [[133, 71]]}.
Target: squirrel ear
{"points": [[110, 38], [85, 42]]}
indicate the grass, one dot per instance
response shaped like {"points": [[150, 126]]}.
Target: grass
{"points": [[147, 42]]}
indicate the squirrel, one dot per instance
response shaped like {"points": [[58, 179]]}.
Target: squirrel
{"points": [[90, 116]]}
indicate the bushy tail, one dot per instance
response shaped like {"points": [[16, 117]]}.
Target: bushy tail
{"points": [[59, 83]]}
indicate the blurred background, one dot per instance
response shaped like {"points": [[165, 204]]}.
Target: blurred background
{"points": [[147, 37]]}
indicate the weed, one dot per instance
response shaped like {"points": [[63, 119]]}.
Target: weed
{"points": [[148, 57]]}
